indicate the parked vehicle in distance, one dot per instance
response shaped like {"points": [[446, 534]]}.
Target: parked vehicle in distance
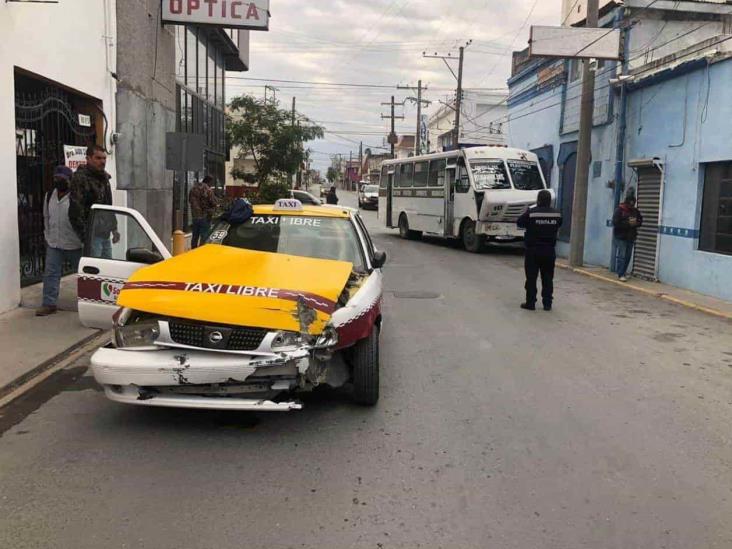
{"points": [[473, 194], [306, 198], [368, 196]]}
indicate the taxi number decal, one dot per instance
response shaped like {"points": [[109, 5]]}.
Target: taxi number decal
{"points": [[218, 236], [289, 220]]}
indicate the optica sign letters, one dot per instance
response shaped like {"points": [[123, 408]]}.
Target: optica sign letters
{"points": [[238, 14]]}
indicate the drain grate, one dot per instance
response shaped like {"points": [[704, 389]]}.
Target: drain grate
{"points": [[416, 295]]}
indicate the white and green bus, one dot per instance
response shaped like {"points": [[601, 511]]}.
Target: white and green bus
{"points": [[474, 194]]}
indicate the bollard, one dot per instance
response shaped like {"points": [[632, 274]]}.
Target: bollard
{"points": [[179, 242]]}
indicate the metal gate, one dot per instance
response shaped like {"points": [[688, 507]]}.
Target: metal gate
{"points": [[45, 121], [650, 180]]}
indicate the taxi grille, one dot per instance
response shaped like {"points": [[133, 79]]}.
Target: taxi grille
{"points": [[231, 338]]}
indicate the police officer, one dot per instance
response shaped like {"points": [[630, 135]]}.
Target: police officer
{"points": [[542, 225]]}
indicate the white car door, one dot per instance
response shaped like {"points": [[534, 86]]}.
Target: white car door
{"points": [[119, 242]]}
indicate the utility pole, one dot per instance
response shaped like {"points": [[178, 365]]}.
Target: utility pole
{"points": [[459, 78], [459, 99], [420, 102], [360, 161], [297, 170], [579, 205], [392, 135]]}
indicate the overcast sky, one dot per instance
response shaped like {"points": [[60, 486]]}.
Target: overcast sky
{"points": [[380, 43]]}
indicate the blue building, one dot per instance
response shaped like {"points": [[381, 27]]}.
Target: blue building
{"points": [[662, 129]]}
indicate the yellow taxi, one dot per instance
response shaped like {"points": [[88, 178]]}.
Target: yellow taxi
{"points": [[283, 302]]}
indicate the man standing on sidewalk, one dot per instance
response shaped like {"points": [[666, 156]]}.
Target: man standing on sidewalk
{"points": [[62, 242], [542, 225], [203, 205], [89, 186], [626, 221]]}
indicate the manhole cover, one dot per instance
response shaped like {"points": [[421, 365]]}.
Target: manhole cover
{"points": [[416, 295]]}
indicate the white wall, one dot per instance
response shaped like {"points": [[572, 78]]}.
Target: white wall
{"points": [[65, 43]]}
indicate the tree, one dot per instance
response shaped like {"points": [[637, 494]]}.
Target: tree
{"points": [[265, 133], [332, 174]]}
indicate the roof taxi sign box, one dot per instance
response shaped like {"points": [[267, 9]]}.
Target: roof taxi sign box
{"points": [[288, 204], [236, 14], [575, 42]]}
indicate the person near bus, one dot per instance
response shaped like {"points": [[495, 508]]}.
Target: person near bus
{"points": [[626, 221], [203, 206], [62, 241], [542, 224], [331, 197]]}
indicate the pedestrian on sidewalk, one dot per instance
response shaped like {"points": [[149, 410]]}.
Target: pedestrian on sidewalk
{"points": [[203, 206], [331, 197], [62, 242], [542, 224], [626, 221], [90, 185]]}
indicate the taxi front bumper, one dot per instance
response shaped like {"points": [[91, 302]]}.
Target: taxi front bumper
{"points": [[137, 377]]}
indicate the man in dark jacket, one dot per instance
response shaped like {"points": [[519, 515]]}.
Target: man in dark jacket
{"points": [[626, 221], [89, 186], [542, 225], [203, 205], [331, 197]]}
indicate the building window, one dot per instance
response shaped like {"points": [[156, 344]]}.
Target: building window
{"points": [[574, 69], [716, 218]]}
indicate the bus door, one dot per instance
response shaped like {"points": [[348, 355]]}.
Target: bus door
{"points": [[389, 198], [450, 175]]}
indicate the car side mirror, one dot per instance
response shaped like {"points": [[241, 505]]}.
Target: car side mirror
{"points": [[144, 256], [379, 259]]}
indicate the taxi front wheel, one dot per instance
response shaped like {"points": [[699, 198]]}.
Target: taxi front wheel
{"points": [[366, 369]]}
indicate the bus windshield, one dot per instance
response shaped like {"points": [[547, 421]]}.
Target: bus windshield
{"points": [[525, 175], [489, 174]]}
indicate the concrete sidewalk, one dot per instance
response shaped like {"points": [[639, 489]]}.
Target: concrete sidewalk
{"points": [[686, 298], [31, 344]]}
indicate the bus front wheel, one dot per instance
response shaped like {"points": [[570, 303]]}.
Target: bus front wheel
{"points": [[404, 230], [471, 241]]}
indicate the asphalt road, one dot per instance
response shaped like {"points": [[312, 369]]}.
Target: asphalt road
{"points": [[603, 424]]}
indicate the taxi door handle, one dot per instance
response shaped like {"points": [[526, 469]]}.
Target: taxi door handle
{"points": [[91, 270]]}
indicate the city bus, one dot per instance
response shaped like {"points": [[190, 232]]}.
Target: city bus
{"points": [[474, 194]]}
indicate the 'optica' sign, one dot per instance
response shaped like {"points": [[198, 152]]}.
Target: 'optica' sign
{"points": [[222, 13]]}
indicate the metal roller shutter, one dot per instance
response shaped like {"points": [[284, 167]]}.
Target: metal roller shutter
{"points": [[649, 204]]}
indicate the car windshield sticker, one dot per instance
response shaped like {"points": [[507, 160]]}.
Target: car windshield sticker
{"points": [[218, 236], [286, 220]]}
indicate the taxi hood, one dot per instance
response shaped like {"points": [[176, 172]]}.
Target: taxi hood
{"points": [[226, 285]]}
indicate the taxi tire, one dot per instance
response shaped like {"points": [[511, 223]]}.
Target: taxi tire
{"points": [[366, 369]]}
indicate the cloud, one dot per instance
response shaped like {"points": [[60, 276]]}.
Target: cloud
{"points": [[381, 42]]}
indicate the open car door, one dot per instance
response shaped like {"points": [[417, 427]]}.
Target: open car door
{"points": [[119, 241]]}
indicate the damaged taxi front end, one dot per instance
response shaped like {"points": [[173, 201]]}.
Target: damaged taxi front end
{"points": [[228, 328]]}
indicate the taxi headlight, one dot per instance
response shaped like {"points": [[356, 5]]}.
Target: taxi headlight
{"points": [[286, 341], [140, 334], [328, 339]]}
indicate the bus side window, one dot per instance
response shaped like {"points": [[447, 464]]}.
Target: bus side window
{"points": [[463, 183]]}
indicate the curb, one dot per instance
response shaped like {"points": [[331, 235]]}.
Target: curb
{"points": [[30, 379], [659, 295]]}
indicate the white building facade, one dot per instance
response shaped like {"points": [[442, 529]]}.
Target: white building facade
{"points": [[56, 75], [482, 122]]}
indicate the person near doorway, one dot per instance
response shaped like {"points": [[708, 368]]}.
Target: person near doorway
{"points": [[90, 185], [626, 221], [542, 224], [62, 242], [331, 197], [203, 205]]}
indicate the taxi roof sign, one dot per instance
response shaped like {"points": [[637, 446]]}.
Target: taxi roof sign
{"points": [[289, 204]]}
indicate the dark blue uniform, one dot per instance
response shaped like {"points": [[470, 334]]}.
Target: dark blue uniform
{"points": [[542, 225]]}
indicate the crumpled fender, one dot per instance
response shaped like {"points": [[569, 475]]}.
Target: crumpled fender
{"points": [[356, 320]]}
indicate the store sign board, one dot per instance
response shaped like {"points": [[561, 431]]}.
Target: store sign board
{"points": [[233, 14], [574, 42], [74, 156]]}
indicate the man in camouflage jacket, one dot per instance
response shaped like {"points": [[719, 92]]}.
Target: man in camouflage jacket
{"points": [[90, 185]]}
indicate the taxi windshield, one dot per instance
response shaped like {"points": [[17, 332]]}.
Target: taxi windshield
{"points": [[318, 237]]}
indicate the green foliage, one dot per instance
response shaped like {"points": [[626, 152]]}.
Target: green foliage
{"points": [[332, 174], [265, 133], [270, 192]]}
